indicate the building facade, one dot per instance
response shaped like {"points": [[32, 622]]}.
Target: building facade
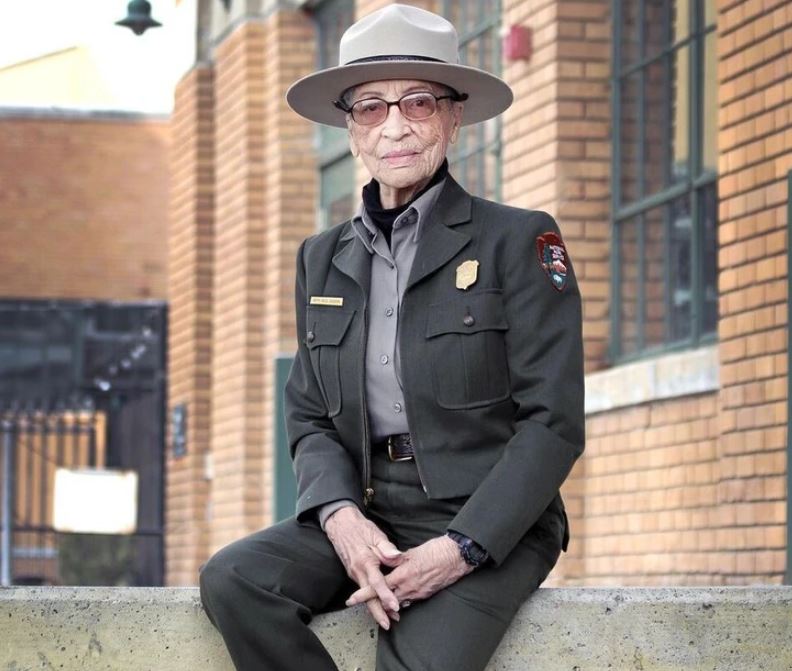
{"points": [[657, 132]]}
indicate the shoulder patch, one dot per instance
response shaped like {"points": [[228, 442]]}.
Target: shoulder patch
{"points": [[553, 258]]}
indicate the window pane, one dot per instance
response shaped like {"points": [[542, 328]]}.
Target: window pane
{"points": [[680, 114], [680, 20], [655, 276], [629, 164], [656, 138], [629, 287], [667, 273], [332, 18], [680, 276], [473, 159], [630, 33], [337, 199], [708, 221], [710, 12], [709, 147], [655, 23], [667, 113]]}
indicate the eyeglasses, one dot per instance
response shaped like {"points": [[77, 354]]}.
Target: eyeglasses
{"points": [[413, 106]]}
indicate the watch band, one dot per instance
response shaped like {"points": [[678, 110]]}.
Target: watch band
{"points": [[473, 554]]}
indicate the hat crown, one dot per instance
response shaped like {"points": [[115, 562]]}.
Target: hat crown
{"points": [[400, 30]]}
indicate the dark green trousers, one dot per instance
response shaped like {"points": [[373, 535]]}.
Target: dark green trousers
{"points": [[262, 591]]}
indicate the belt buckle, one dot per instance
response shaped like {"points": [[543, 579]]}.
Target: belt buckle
{"points": [[391, 455]]}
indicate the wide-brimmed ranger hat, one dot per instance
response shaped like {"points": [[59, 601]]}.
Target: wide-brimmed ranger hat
{"points": [[399, 42]]}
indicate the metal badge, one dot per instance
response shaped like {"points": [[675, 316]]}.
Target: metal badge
{"points": [[466, 274], [335, 301]]}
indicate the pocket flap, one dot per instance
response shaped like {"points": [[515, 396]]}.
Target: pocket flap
{"points": [[470, 313], [326, 325]]}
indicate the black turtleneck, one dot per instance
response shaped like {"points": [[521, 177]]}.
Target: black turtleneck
{"points": [[383, 219]]}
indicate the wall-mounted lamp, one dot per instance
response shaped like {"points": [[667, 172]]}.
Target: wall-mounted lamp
{"points": [[518, 43], [138, 18]]}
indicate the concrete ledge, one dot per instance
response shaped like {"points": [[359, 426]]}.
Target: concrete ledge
{"points": [[581, 629]]}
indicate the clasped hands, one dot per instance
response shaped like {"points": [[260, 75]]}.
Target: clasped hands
{"points": [[416, 574]]}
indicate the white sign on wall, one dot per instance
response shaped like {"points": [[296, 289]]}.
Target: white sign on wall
{"points": [[93, 501]]}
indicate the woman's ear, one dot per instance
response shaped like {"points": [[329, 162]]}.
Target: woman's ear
{"points": [[353, 148], [458, 109]]}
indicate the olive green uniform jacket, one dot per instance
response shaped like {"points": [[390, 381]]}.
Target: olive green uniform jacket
{"points": [[492, 374]]}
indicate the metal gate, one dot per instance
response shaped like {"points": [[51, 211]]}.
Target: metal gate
{"points": [[82, 384]]}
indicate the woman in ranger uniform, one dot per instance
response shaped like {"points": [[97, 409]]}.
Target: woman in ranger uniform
{"points": [[435, 405]]}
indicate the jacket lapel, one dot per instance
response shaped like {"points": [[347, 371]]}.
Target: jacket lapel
{"points": [[439, 242], [354, 259]]}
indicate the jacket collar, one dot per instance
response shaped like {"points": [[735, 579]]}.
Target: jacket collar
{"points": [[439, 241]]}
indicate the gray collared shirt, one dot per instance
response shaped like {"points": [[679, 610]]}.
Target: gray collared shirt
{"points": [[390, 270]]}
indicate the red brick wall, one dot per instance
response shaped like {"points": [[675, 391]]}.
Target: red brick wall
{"points": [[83, 206], [237, 427], [688, 490], [651, 495], [191, 247], [755, 143]]}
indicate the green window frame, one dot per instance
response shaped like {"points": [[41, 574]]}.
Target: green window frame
{"points": [[336, 166], [475, 159], [664, 177]]}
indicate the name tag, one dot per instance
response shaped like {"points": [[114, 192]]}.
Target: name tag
{"points": [[335, 301]]}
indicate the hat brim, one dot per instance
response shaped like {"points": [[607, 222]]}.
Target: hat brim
{"points": [[312, 96]]}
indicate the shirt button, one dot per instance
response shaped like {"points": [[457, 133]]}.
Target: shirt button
{"points": [[389, 312], [310, 336], [397, 407], [384, 359], [469, 320]]}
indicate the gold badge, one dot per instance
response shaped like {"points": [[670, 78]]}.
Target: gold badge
{"points": [[466, 274], [335, 301]]}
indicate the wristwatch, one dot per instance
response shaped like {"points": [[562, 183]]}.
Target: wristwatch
{"points": [[473, 554]]}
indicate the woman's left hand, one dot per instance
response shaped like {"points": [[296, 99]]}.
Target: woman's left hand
{"points": [[425, 570]]}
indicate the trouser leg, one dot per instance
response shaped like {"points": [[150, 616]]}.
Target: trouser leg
{"points": [[261, 592], [459, 628]]}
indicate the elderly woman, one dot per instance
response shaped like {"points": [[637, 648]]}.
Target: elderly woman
{"points": [[435, 403]]}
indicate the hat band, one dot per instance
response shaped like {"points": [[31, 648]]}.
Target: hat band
{"points": [[372, 59]]}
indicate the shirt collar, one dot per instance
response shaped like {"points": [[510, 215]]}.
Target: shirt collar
{"points": [[415, 215]]}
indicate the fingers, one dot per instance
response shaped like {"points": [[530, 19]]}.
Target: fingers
{"points": [[378, 613], [361, 595], [388, 553], [376, 581]]}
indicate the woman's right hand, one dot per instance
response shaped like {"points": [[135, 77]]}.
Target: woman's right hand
{"points": [[363, 548]]}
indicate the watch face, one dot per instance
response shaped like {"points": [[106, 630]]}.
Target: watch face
{"points": [[471, 552]]}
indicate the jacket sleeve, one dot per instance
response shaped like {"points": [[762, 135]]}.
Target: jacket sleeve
{"points": [[545, 357], [325, 470]]}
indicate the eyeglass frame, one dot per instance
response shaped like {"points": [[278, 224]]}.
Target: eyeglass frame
{"points": [[456, 97]]}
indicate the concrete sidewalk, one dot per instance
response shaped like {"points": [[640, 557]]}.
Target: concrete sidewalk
{"points": [[570, 629]]}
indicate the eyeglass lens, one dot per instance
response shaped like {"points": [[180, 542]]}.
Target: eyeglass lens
{"points": [[414, 106]]}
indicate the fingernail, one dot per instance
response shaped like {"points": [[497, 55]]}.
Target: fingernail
{"points": [[391, 553]]}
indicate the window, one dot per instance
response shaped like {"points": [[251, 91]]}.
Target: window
{"points": [[475, 158], [336, 165], [664, 200]]}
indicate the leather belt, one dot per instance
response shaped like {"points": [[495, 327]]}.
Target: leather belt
{"points": [[399, 447]]}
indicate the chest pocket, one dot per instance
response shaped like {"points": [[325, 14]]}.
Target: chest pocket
{"points": [[325, 331], [468, 352]]}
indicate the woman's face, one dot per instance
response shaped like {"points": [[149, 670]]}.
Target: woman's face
{"points": [[402, 155]]}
